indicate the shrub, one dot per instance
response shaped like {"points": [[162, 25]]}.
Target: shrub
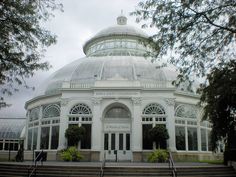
{"points": [[71, 154], [159, 155]]}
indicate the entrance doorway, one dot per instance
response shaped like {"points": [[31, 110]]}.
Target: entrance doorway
{"points": [[117, 133], [117, 146]]}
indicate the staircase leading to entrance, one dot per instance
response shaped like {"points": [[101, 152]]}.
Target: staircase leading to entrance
{"points": [[13, 170]]}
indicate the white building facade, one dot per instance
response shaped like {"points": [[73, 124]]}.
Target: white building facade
{"points": [[117, 95]]}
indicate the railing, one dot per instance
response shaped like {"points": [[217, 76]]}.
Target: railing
{"points": [[32, 169], [103, 165], [172, 166]]}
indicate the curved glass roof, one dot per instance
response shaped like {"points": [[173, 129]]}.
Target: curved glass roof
{"points": [[11, 128], [118, 40]]}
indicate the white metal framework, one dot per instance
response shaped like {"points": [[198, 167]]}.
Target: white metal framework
{"points": [[80, 109], [52, 110]]}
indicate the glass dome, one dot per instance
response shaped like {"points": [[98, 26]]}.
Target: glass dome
{"points": [[114, 54]]}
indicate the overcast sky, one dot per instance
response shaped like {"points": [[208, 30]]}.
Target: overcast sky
{"points": [[78, 23]]}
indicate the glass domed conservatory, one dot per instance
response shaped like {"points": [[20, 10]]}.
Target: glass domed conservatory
{"points": [[117, 95]]}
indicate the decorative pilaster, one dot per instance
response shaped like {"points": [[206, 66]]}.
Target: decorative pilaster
{"points": [[136, 124], [97, 140], [170, 102], [63, 123]]}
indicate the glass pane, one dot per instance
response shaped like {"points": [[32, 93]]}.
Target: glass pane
{"points": [[203, 140], [6, 146], [11, 146], [113, 141], [147, 143], [29, 139], [117, 112], [55, 137], [15, 146], [35, 137], [106, 141], [44, 138], [86, 142], [209, 141], [180, 138], [121, 141], [1, 146], [127, 141], [192, 139]]}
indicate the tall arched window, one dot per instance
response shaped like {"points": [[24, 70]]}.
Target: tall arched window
{"points": [[52, 110], [81, 115], [186, 127], [152, 114]]}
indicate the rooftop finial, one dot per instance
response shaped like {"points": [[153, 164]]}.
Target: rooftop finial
{"points": [[121, 20]]}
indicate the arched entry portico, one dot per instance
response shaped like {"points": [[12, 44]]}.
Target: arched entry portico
{"points": [[117, 133]]}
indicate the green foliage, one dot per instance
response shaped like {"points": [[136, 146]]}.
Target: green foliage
{"points": [[159, 134], [74, 134], [71, 154], [159, 155], [197, 33], [23, 41], [219, 101]]}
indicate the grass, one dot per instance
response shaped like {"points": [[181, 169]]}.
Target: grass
{"points": [[211, 161]]}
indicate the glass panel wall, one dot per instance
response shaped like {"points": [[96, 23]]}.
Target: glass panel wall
{"points": [[29, 139], [180, 138], [44, 138], [55, 137], [192, 139], [203, 140], [86, 142], [147, 143]]}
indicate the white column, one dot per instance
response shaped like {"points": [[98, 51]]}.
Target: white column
{"points": [[171, 123], [136, 132], [39, 128], [199, 142], [97, 126], [63, 124]]}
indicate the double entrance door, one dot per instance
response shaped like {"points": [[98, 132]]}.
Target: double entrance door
{"points": [[117, 146]]}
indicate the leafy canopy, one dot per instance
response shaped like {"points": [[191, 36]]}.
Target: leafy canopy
{"points": [[74, 134], [159, 134], [219, 101], [196, 34], [23, 41]]}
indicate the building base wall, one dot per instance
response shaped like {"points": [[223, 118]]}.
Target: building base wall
{"points": [[196, 156]]}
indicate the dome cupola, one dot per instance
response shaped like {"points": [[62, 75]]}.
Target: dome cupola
{"points": [[117, 40]]}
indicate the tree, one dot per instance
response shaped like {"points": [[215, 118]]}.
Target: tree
{"points": [[23, 41], [196, 34], [74, 134], [159, 134], [219, 101]]}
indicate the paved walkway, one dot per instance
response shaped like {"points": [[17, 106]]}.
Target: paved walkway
{"points": [[116, 164]]}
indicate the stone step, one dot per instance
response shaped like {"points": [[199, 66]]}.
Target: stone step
{"points": [[8, 170]]}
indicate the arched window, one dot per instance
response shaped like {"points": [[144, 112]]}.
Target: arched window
{"points": [[52, 110], [186, 132], [186, 111], [34, 114], [152, 113], [80, 109], [154, 108], [117, 112]]}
